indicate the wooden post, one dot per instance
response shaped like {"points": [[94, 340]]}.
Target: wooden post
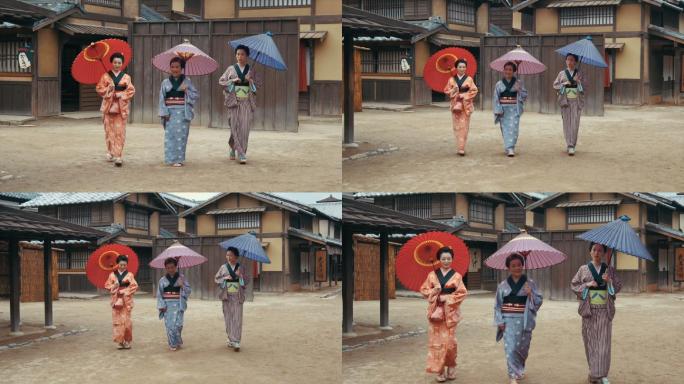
{"points": [[15, 286], [47, 273], [347, 282], [677, 66], [348, 84], [384, 291]]}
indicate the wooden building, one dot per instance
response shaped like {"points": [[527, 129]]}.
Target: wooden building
{"points": [[169, 222], [656, 217], [302, 242], [643, 42], [49, 34], [131, 219]]}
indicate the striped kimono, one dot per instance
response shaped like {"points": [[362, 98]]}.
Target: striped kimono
{"points": [[442, 345], [240, 98], [597, 308], [571, 100], [173, 299], [518, 312], [232, 294], [121, 286], [178, 107], [461, 91], [116, 92], [508, 102]]}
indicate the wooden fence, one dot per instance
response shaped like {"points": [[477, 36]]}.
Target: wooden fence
{"points": [[277, 101], [541, 94], [367, 269]]}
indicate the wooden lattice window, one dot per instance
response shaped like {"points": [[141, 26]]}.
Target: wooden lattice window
{"points": [[137, 218], [73, 259], [75, 214], [383, 60], [104, 3], [583, 16], [589, 215], [461, 12], [416, 205], [9, 56], [238, 220], [481, 211], [246, 4]]}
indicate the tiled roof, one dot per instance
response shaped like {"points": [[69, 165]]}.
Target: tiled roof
{"points": [[235, 210], [149, 14], [79, 29], [179, 200], [28, 225], [665, 230], [62, 198], [369, 217], [57, 6], [581, 3], [333, 210], [588, 203], [20, 195], [370, 24]]}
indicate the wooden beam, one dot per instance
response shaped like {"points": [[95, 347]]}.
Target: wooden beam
{"points": [[15, 286], [347, 282], [47, 277], [348, 84], [384, 291]]}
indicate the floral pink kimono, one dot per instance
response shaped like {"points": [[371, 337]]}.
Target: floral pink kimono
{"points": [[442, 345], [116, 92], [122, 287], [462, 91]]}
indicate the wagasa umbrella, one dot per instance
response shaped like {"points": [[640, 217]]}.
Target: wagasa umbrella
{"points": [[103, 261], [537, 253], [249, 246]]}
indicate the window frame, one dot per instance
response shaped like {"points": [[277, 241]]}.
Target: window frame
{"points": [[464, 4], [70, 212], [132, 221], [104, 3], [591, 217], [577, 16], [271, 4], [475, 215], [241, 220]]}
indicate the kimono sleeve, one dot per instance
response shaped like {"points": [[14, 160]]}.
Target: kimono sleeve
{"points": [[133, 287], [130, 89], [426, 288], [455, 299], [225, 80], [558, 83], [161, 303], [535, 301], [102, 87], [616, 284], [522, 93], [191, 93], [496, 104], [218, 278], [498, 302], [163, 109], [449, 87], [111, 284], [186, 290], [578, 286]]}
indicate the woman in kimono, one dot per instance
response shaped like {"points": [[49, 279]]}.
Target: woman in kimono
{"points": [[570, 86], [596, 285], [515, 314], [461, 90], [509, 98], [240, 87], [177, 98], [172, 301], [122, 285], [116, 89], [444, 291], [232, 279]]}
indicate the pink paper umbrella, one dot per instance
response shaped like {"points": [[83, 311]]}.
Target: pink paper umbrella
{"points": [[186, 257], [537, 253], [527, 64], [197, 63]]}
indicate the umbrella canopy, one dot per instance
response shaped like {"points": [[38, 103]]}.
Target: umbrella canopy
{"points": [[103, 261], [418, 257], [93, 61], [440, 67], [620, 236], [262, 49], [197, 63], [537, 253], [586, 51], [527, 64], [249, 247], [185, 256]]}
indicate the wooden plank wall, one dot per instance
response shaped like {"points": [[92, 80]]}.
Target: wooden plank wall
{"points": [[386, 91], [541, 95], [15, 97], [32, 279], [88, 99], [48, 97], [325, 98], [277, 100], [367, 269]]}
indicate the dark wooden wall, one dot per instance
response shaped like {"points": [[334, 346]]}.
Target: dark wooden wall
{"points": [[626, 92], [325, 98], [277, 97], [386, 91], [15, 97], [47, 97], [541, 94], [555, 281], [423, 93], [502, 17], [75, 282]]}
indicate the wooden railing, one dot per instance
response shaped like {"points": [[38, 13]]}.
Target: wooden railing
{"points": [[104, 3]]}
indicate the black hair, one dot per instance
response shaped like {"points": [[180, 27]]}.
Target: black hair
{"points": [[178, 60], [445, 250], [121, 258], [459, 61], [512, 64], [512, 257], [171, 260], [573, 55], [116, 55], [244, 48], [591, 246], [234, 250]]}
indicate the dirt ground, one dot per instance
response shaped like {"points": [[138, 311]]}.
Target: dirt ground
{"points": [[647, 348], [293, 338], [65, 155], [634, 148]]}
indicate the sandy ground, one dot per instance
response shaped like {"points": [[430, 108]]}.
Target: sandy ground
{"points": [[629, 148], [647, 348], [66, 155], [293, 338]]}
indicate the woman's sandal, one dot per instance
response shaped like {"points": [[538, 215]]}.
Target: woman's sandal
{"points": [[451, 374], [440, 378], [177, 165]]}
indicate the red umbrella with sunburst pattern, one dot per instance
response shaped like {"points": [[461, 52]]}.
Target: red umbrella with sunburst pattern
{"points": [[103, 261], [93, 61], [418, 257], [440, 66]]}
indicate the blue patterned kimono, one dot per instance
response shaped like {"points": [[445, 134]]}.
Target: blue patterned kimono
{"points": [[175, 299], [179, 107], [520, 319], [507, 110]]}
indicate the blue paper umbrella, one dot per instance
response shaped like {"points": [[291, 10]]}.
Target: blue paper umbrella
{"points": [[620, 236], [262, 49], [249, 247], [586, 51]]}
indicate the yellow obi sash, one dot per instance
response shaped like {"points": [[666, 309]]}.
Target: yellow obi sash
{"points": [[241, 91], [232, 286], [571, 93], [598, 296]]}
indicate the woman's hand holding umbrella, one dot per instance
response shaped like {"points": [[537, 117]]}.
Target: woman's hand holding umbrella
{"points": [[527, 289]]}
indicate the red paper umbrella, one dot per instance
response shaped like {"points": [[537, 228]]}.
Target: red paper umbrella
{"points": [[418, 257], [103, 261], [93, 60], [440, 67]]}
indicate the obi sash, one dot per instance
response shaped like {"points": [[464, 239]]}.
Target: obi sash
{"points": [[598, 296], [175, 96], [508, 96], [121, 277], [444, 279], [571, 89], [117, 80], [459, 83], [512, 302], [171, 291], [241, 91]]}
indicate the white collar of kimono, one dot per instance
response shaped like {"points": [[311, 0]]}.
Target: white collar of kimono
{"points": [[460, 77], [115, 73], [572, 71], [242, 67]]}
